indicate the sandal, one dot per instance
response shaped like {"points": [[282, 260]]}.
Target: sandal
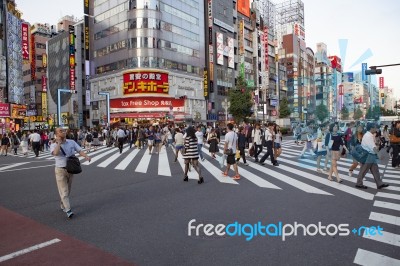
{"points": [[224, 173], [236, 177]]}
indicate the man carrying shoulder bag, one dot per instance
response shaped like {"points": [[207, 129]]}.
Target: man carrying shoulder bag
{"points": [[61, 149]]}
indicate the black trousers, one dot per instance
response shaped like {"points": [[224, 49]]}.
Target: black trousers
{"points": [[395, 158], [120, 144], [269, 152], [257, 150], [36, 147]]}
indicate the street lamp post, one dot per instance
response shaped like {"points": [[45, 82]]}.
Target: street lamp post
{"points": [[107, 94], [226, 105], [59, 103]]}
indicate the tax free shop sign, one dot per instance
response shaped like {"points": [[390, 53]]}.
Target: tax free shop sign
{"points": [[145, 104]]}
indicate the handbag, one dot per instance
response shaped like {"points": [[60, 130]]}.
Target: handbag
{"points": [[73, 164], [359, 154], [237, 155], [251, 151]]}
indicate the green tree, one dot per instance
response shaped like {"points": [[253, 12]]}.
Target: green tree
{"points": [[284, 110], [240, 101], [358, 113], [345, 113], [321, 112], [373, 113]]}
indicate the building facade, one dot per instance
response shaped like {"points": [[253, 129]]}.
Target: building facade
{"points": [[150, 56]]}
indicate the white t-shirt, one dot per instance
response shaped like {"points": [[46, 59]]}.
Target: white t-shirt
{"points": [[179, 140], [200, 136], [231, 138], [256, 135], [34, 137]]}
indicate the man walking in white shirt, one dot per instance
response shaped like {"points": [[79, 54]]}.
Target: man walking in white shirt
{"points": [[121, 138], [35, 142]]}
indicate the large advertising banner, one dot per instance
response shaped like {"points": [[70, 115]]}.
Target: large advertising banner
{"points": [[145, 81], [205, 83], [25, 41], [71, 58], [241, 37], [243, 7], [220, 48], [231, 55], [18, 111]]}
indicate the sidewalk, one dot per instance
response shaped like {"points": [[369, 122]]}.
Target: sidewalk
{"points": [[26, 242]]}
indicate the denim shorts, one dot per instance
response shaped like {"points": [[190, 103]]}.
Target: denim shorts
{"points": [[277, 145]]}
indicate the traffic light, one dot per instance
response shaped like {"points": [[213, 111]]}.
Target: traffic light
{"points": [[373, 71]]}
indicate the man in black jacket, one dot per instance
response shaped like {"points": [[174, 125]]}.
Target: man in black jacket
{"points": [[396, 146]]}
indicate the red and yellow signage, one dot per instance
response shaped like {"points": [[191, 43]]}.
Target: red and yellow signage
{"points": [[145, 81], [243, 6], [18, 111], [25, 41]]}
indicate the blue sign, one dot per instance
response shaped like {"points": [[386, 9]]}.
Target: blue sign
{"points": [[363, 68], [348, 77]]}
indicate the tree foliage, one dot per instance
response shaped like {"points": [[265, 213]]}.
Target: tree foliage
{"points": [[321, 112], [373, 113], [358, 114], [284, 110], [240, 101], [345, 113]]}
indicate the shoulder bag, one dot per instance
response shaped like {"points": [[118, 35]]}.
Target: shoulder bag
{"points": [[73, 164]]}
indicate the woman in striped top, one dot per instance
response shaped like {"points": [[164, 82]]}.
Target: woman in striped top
{"points": [[191, 154]]}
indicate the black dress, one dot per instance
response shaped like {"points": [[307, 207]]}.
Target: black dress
{"points": [[213, 143]]}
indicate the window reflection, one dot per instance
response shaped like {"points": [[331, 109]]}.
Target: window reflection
{"points": [[144, 4]]}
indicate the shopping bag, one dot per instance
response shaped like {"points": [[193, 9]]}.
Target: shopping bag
{"points": [[221, 160], [237, 155]]}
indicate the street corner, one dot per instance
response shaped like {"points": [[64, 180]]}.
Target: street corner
{"points": [[27, 242]]}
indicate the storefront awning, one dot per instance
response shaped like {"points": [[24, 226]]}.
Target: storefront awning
{"points": [[138, 115]]}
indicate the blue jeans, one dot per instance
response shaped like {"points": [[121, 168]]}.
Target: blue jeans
{"points": [[199, 148]]}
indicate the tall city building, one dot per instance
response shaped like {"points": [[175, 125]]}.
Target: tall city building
{"points": [[149, 55], [221, 18], [11, 58], [34, 75]]}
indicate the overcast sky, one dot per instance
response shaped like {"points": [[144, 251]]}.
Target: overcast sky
{"points": [[365, 24]]}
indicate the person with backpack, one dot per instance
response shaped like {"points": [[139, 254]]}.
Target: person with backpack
{"points": [[89, 139], [15, 142]]}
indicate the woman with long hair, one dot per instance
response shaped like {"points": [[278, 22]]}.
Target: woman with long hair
{"points": [[335, 141], [191, 154], [356, 140]]}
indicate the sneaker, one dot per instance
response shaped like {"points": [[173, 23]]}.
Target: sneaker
{"points": [[246, 164], [70, 214], [319, 170], [202, 159]]}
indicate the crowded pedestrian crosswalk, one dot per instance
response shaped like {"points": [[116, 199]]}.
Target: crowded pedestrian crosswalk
{"points": [[295, 171]]}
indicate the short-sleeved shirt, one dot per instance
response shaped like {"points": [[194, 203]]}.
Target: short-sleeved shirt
{"points": [[70, 147], [200, 137], [231, 138], [337, 142]]}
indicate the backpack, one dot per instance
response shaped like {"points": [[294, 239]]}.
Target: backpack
{"points": [[89, 137], [16, 141]]}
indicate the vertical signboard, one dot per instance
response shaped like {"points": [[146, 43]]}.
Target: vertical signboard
{"points": [[241, 37], [44, 83], [220, 48], [33, 61], [381, 82], [25, 41], [205, 83], [363, 68], [210, 20], [44, 105], [71, 58], [231, 55], [266, 59]]}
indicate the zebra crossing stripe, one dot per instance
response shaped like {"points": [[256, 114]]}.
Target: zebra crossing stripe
{"points": [[144, 163], [90, 154], [12, 165], [288, 180], [253, 178], [387, 205], [125, 162], [385, 218], [365, 257], [386, 237], [387, 195], [96, 158], [325, 181], [217, 173], [392, 176], [393, 171], [163, 164], [111, 159]]}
